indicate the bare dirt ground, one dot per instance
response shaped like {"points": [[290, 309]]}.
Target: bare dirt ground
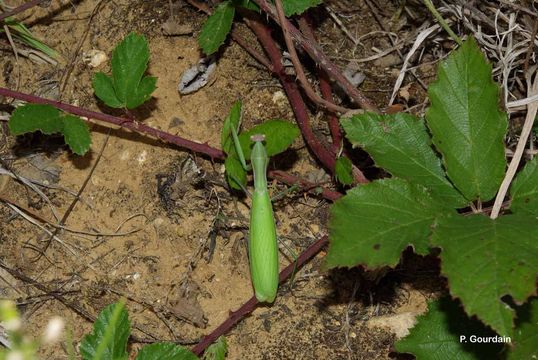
{"points": [[158, 225]]}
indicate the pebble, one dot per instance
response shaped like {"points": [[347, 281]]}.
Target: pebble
{"points": [[94, 57]]}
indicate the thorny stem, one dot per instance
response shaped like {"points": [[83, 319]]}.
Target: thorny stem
{"points": [[299, 68], [252, 52], [251, 304], [326, 91], [325, 88], [321, 59], [19, 9], [334, 125], [205, 149], [290, 87]]}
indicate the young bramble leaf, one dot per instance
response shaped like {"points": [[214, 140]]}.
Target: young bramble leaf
{"points": [[232, 121], [467, 126], [108, 339], [485, 260], [343, 170], [296, 7], [279, 135], [128, 87], [217, 350], [437, 335], [49, 120], [146, 87], [373, 223], [216, 28], [103, 85], [400, 144], [165, 351], [76, 134], [36, 117], [526, 333], [524, 190], [129, 63]]}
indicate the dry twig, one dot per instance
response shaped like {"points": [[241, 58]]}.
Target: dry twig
{"points": [[525, 132]]}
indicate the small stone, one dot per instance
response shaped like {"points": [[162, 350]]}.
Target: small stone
{"points": [[142, 157], [125, 155], [94, 58], [278, 96]]}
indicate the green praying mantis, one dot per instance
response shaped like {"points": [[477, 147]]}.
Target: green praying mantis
{"points": [[266, 139], [263, 246], [263, 249]]}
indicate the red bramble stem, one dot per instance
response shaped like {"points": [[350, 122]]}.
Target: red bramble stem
{"points": [[205, 149], [294, 95], [320, 58]]}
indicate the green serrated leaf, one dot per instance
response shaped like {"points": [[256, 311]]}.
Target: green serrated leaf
{"points": [[467, 126], [235, 174], [373, 223], [400, 144], [436, 336], [216, 28], [232, 120], [279, 135], [147, 86], [165, 351], [49, 120], [35, 117], [217, 350], [109, 337], [343, 170], [76, 134], [524, 190], [103, 86], [129, 63], [485, 260], [296, 7], [526, 333]]}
